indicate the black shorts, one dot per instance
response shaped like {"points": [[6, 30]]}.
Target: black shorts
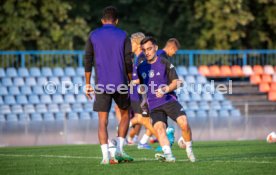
{"points": [[103, 101], [135, 107], [171, 109]]}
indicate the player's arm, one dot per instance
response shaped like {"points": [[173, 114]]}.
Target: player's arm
{"points": [[128, 58], [172, 79], [88, 63]]}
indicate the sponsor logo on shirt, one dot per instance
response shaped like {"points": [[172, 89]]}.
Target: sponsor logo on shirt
{"points": [[151, 73], [158, 73]]}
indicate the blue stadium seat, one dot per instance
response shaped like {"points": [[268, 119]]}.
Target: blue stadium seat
{"points": [[195, 97], [21, 99], [65, 107], [2, 73], [77, 107], [41, 108], [14, 90], [46, 72], [9, 100], [85, 116], [41, 81], [70, 71], [26, 90], [201, 79], [30, 81], [48, 117], [80, 71], [36, 117], [66, 79], [218, 96], [190, 79], [35, 72], [192, 105], [5, 109], [53, 108], [16, 109], [2, 118], [72, 116], [3, 91], [224, 113], [226, 105], [69, 98], [45, 99], [209, 88], [212, 113], [12, 118], [29, 108], [18, 81], [38, 90], [184, 105], [57, 99], [60, 116], [23, 117], [33, 99], [235, 112], [23, 72], [81, 98], [190, 113], [11, 72], [184, 97], [88, 107], [192, 70], [207, 97], [7, 81], [215, 105], [58, 71], [201, 113], [204, 105], [1, 100], [181, 70], [55, 80], [78, 80]]}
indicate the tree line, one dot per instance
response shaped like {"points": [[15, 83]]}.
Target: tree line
{"points": [[208, 24]]}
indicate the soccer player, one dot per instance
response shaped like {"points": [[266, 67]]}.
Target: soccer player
{"points": [[109, 49], [171, 47], [135, 97], [160, 77]]}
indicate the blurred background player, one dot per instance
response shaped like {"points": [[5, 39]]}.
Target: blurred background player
{"points": [[135, 97], [163, 102], [109, 45]]}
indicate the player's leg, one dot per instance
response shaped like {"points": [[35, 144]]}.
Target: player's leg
{"points": [[123, 102], [176, 113], [102, 106], [159, 119], [133, 134]]}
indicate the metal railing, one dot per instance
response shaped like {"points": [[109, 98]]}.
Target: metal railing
{"points": [[183, 58]]}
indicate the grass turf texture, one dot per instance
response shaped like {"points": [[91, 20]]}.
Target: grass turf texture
{"points": [[220, 157]]}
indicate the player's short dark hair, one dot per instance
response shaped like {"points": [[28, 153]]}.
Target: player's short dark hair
{"points": [[147, 39], [175, 42], [110, 13]]}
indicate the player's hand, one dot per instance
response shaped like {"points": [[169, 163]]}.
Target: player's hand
{"points": [[89, 91], [161, 91]]}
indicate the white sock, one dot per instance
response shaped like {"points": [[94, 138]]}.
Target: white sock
{"points": [[167, 149], [120, 144], [188, 144], [144, 139], [104, 148]]}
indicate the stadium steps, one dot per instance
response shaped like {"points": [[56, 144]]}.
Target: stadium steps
{"points": [[244, 93]]}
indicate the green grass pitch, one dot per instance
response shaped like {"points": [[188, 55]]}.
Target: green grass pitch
{"points": [[213, 157]]}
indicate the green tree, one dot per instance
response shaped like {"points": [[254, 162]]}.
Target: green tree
{"points": [[42, 25]]}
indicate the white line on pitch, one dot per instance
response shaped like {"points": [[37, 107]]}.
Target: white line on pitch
{"points": [[139, 159]]}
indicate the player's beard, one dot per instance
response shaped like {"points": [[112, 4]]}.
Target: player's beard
{"points": [[152, 59]]}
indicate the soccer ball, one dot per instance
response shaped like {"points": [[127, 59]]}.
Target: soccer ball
{"points": [[271, 138], [181, 143]]}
